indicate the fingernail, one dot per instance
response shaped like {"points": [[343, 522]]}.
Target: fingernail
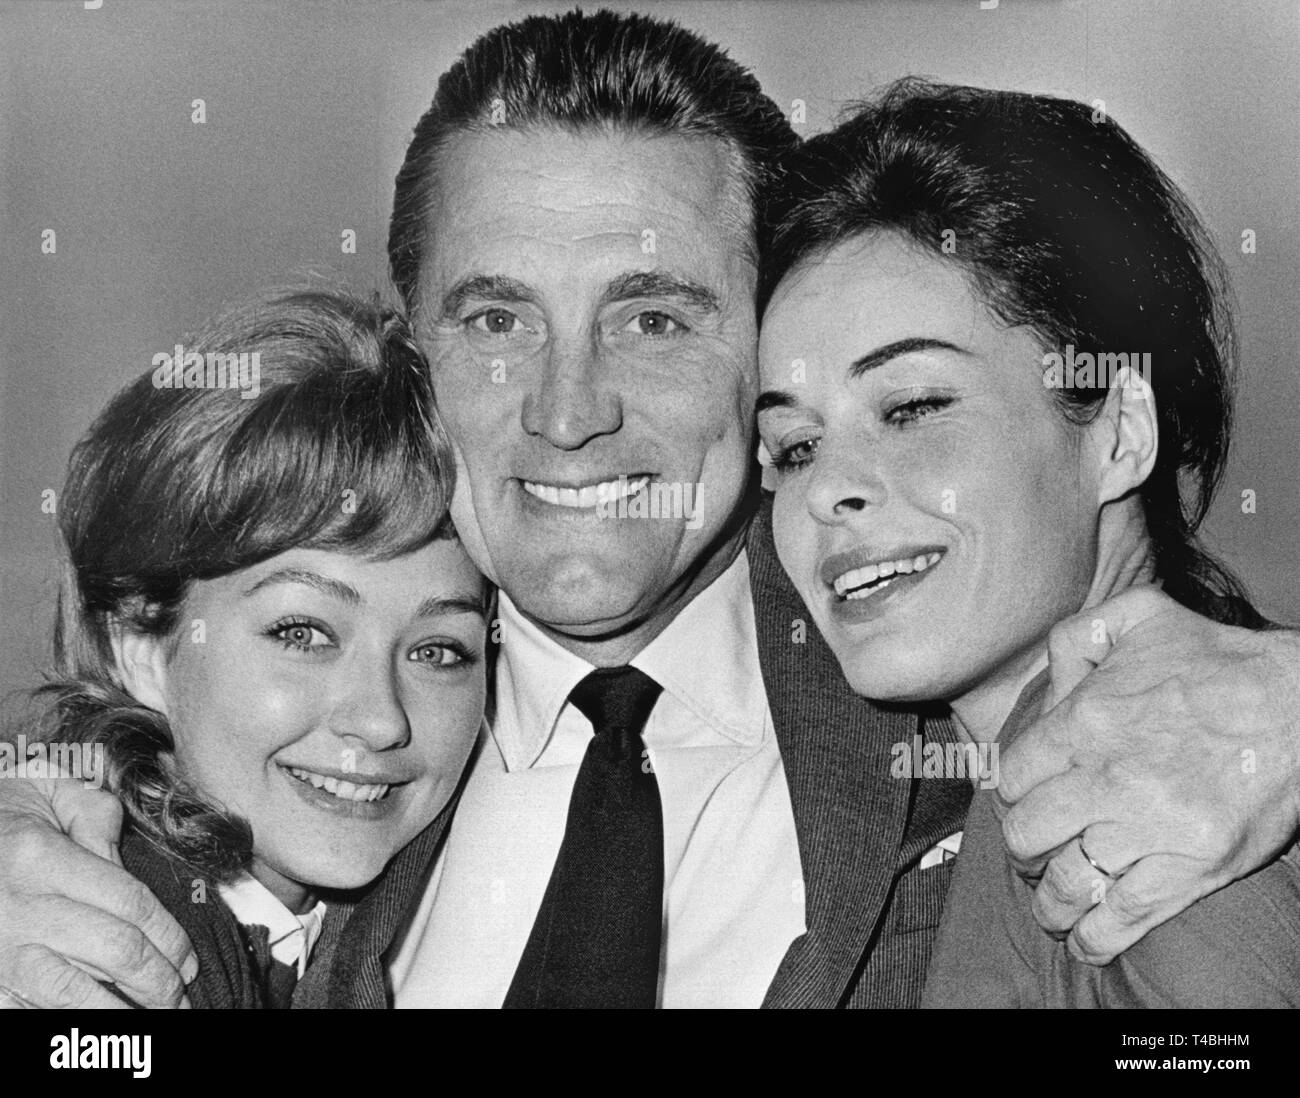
{"points": [[190, 968]]}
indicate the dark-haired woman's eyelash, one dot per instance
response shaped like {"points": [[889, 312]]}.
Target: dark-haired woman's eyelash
{"points": [[787, 458], [909, 411], [282, 627]]}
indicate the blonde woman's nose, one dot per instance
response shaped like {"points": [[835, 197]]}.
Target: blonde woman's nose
{"points": [[370, 708]]}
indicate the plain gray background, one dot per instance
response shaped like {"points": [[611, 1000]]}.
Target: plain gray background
{"points": [[160, 221]]}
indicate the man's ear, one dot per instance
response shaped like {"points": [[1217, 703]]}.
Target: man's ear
{"points": [[1128, 436], [141, 665]]}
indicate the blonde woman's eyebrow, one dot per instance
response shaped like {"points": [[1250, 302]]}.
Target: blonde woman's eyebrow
{"points": [[437, 606], [327, 585]]}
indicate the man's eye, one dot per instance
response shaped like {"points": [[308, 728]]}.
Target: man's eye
{"points": [[496, 322], [654, 323], [912, 410], [438, 655]]}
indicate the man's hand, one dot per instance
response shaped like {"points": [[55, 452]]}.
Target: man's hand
{"points": [[1170, 745], [70, 915]]}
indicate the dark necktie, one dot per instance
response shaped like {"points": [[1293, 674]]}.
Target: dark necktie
{"points": [[596, 939]]}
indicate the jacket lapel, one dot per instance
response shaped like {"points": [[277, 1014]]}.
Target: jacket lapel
{"points": [[849, 812]]}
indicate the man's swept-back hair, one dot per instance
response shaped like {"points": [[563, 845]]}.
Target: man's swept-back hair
{"points": [[579, 72]]}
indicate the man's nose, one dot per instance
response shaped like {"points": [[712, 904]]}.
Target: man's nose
{"points": [[369, 707], [843, 484], [570, 402]]}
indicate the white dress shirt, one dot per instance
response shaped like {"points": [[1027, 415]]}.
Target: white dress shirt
{"points": [[291, 937], [733, 891]]}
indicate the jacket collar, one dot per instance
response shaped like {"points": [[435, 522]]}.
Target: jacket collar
{"points": [[849, 813]]}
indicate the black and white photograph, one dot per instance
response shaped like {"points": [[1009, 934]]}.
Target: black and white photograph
{"points": [[713, 505]]}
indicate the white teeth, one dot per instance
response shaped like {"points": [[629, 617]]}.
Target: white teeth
{"points": [[347, 791], [856, 578], [862, 594], [880, 574], [591, 495]]}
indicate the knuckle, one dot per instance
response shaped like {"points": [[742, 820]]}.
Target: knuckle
{"points": [[1135, 901], [1092, 939], [1048, 915], [127, 949], [138, 903], [49, 981], [24, 849], [1016, 835], [1089, 710], [1057, 884]]}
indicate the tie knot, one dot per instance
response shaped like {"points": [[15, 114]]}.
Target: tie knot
{"points": [[616, 699]]}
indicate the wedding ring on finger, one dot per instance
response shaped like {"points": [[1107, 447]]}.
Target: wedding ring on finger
{"points": [[1095, 864]]}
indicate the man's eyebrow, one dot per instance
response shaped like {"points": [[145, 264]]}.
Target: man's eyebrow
{"points": [[442, 606], [881, 355], [660, 284], [482, 287], [325, 584]]}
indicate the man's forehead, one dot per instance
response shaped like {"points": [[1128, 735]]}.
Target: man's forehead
{"points": [[502, 191]]}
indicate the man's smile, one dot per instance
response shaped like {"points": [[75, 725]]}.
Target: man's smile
{"points": [[588, 495]]}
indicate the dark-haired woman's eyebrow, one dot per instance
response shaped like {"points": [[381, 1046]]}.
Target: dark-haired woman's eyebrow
{"points": [[881, 355], [485, 287], [773, 398], [441, 606], [327, 585]]}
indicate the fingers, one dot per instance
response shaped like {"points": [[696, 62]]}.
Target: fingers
{"points": [[1151, 893], [111, 949], [145, 951], [36, 977], [56, 935], [1079, 643], [1048, 817], [1038, 754], [91, 818], [64, 900], [1070, 887], [1074, 647]]}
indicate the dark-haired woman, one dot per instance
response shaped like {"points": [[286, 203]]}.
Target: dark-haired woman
{"points": [[996, 362], [270, 628]]}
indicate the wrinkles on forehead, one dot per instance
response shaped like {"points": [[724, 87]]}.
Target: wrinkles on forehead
{"points": [[537, 185]]}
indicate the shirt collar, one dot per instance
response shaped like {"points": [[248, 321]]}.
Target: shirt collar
{"points": [[291, 937], [706, 658]]}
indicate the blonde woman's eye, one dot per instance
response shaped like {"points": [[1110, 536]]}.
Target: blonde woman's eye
{"points": [[439, 655]]}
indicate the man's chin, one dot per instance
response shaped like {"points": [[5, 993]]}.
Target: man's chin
{"points": [[584, 602]]}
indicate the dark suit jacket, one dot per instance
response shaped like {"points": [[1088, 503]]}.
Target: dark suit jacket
{"points": [[871, 912]]}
